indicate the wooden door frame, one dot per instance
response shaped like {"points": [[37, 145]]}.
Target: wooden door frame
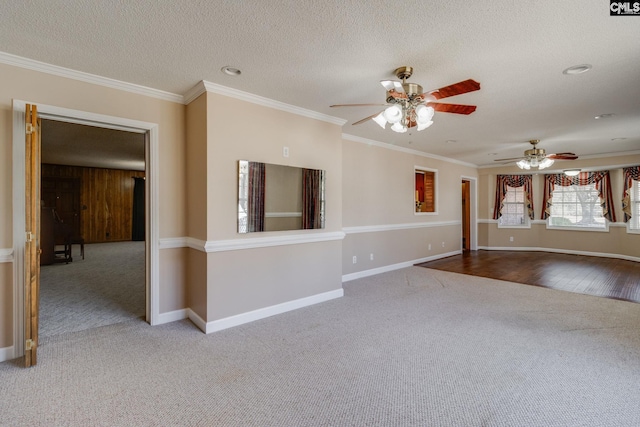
{"points": [[152, 276], [473, 210]]}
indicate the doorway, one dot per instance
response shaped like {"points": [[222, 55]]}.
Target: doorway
{"points": [[469, 213], [95, 276], [151, 243], [466, 215]]}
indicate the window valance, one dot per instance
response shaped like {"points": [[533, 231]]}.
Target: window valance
{"points": [[504, 181], [601, 180], [629, 174]]}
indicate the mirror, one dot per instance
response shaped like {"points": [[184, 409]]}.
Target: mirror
{"points": [[276, 198]]}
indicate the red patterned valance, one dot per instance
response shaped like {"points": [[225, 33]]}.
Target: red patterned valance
{"points": [[600, 179], [515, 181]]}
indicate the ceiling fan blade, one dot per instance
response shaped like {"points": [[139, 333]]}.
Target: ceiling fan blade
{"points": [[452, 108], [455, 89], [366, 118], [508, 160], [357, 105], [562, 156]]}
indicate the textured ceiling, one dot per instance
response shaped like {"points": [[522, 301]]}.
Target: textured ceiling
{"points": [[313, 54]]}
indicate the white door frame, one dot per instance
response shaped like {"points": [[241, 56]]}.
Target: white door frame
{"points": [[473, 220], [152, 205]]}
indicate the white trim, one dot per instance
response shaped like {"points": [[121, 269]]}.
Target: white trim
{"points": [[391, 227], [403, 149], [6, 254], [282, 214], [18, 61], [173, 243], [172, 316], [19, 224], [251, 243], [262, 242], [379, 270], [473, 195], [7, 353], [561, 251], [152, 203], [197, 320], [251, 316], [205, 86]]}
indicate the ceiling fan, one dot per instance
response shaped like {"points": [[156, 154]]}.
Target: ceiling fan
{"points": [[408, 106], [536, 157]]}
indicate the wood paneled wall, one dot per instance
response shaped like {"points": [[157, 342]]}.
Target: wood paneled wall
{"points": [[106, 200]]}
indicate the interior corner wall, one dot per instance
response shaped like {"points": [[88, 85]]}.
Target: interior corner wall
{"points": [[379, 208], [616, 242], [46, 89], [244, 280]]}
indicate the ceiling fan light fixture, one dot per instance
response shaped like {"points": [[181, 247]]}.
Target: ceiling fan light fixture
{"points": [[545, 163], [423, 126], [399, 127], [393, 114], [424, 114], [524, 164], [379, 119]]}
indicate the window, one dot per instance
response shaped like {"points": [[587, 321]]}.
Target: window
{"points": [[576, 206], [513, 213], [634, 196], [425, 190]]}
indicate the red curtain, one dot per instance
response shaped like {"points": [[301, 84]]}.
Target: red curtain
{"points": [[312, 215], [629, 174], [255, 197], [600, 179], [515, 181]]}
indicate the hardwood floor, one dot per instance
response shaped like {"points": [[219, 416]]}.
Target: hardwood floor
{"points": [[603, 277]]}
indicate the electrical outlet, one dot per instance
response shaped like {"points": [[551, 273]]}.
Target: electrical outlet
{"points": [[285, 151], [429, 246], [371, 257], [355, 259], [511, 238]]}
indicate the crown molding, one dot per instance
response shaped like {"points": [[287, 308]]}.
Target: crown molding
{"points": [[388, 146], [204, 86], [18, 61]]}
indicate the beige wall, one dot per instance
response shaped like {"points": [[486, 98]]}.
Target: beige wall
{"points": [[379, 190], [615, 242], [41, 88], [239, 281]]}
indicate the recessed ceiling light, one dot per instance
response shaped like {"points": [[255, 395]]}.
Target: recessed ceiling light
{"points": [[577, 69], [492, 154], [604, 116], [231, 71], [451, 141]]}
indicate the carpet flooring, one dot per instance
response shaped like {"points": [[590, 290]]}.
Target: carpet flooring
{"points": [[104, 288], [411, 347]]}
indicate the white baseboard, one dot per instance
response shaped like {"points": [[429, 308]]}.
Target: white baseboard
{"points": [[560, 251], [197, 320], [7, 353], [172, 316], [386, 268], [229, 322]]}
